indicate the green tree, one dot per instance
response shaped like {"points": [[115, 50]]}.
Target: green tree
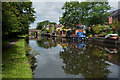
{"points": [[43, 24], [71, 15], [16, 18], [98, 13], [50, 27], [87, 13], [55, 27], [54, 23]]}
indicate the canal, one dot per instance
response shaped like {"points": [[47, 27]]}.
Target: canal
{"points": [[65, 58]]}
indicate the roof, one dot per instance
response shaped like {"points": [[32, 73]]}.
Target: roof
{"points": [[115, 13]]}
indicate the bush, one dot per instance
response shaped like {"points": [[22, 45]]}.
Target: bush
{"points": [[90, 35], [96, 29]]}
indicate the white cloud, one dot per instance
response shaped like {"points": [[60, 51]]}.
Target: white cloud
{"points": [[52, 10], [47, 11], [114, 5]]}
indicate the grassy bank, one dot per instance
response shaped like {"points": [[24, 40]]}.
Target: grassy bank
{"points": [[15, 62]]}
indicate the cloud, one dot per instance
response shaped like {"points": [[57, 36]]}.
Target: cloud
{"points": [[47, 11], [114, 5], [52, 10]]}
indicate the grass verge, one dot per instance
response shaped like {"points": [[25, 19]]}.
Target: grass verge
{"points": [[15, 62]]}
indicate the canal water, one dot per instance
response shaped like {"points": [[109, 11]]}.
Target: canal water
{"points": [[65, 58]]}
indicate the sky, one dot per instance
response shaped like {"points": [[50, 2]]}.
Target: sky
{"points": [[51, 10]]}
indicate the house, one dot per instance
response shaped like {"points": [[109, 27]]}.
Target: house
{"points": [[65, 31], [114, 15], [58, 27], [81, 28], [60, 30], [48, 26]]}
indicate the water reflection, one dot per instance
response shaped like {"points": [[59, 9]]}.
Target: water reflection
{"points": [[80, 58], [33, 62], [83, 62], [46, 42], [32, 57]]}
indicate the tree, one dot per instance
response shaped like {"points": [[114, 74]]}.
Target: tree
{"points": [[71, 15], [16, 18], [54, 23], [87, 13], [42, 25], [98, 13], [55, 27], [50, 27]]}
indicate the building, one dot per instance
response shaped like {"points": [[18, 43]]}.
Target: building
{"points": [[48, 26], [114, 15], [58, 27], [65, 31]]}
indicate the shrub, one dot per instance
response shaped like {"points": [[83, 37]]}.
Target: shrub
{"points": [[96, 29]]}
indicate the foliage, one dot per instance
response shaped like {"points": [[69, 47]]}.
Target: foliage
{"points": [[54, 28], [87, 13], [116, 26], [105, 28], [43, 29], [16, 17], [15, 62], [116, 23], [96, 29], [90, 35], [42, 25], [70, 17], [50, 28], [98, 13], [102, 29], [52, 23]]}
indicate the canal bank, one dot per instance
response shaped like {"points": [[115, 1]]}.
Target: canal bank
{"points": [[103, 40], [15, 63]]}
